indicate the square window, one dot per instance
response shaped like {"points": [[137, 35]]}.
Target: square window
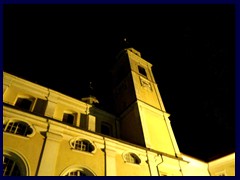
{"points": [[142, 71], [23, 103], [106, 129], [40, 106], [68, 118], [84, 121]]}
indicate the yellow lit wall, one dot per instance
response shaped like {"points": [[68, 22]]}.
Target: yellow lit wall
{"points": [[224, 166], [48, 151]]}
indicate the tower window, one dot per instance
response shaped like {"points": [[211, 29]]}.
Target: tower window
{"points": [[142, 71], [23, 103], [106, 128], [68, 118]]}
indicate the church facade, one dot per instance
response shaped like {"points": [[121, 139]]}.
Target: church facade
{"points": [[47, 133]]}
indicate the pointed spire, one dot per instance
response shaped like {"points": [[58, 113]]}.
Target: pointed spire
{"points": [[125, 39], [91, 98], [125, 43], [91, 93]]}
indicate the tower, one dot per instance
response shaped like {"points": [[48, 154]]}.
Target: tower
{"points": [[142, 116]]}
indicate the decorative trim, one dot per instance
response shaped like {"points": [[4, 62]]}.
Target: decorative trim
{"points": [[146, 84], [19, 159], [6, 122], [71, 168]]}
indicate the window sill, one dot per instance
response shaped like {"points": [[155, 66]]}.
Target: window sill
{"points": [[134, 164], [83, 152], [17, 135]]}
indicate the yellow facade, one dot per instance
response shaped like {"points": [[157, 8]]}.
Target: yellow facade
{"points": [[46, 133]]}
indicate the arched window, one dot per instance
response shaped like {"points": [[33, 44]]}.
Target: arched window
{"points": [[82, 145], [14, 164], [76, 170], [10, 167], [132, 158], [76, 173], [18, 127]]}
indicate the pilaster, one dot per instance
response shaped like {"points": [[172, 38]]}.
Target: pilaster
{"points": [[110, 162], [152, 163], [49, 156]]}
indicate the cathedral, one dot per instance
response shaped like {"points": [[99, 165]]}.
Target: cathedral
{"points": [[47, 133]]}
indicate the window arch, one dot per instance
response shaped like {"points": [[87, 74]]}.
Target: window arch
{"points": [[18, 127], [82, 145], [10, 167], [76, 170], [131, 158], [14, 164]]}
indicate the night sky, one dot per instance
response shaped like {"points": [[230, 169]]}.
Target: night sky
{"points": [[191, 47]]}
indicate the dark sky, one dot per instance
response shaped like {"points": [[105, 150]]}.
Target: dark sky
{"points": [[191, 47]]}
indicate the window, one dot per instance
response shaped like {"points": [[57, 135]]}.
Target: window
{"points": [[84, 121], [76, 170], [76, 173], [10, 167], [18, 127], [40, 106], [106, 128], [14, 164], [142, 71], [68, 118], [132, 158], [24, 103], [82, 145]]}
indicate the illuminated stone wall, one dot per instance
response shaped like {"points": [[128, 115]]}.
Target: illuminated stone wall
{"points": [[50, 147]]}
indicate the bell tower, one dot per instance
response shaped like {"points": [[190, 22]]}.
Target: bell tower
{"points": [[142, 116]]}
